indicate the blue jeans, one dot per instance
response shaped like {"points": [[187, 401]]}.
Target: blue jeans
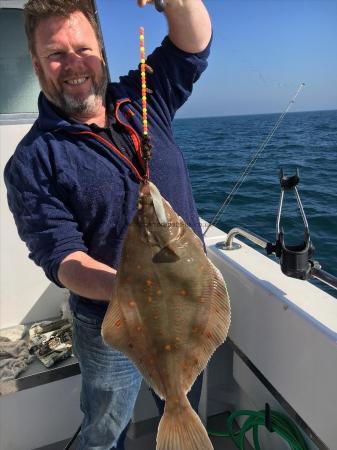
{"points": [[110, 385]]}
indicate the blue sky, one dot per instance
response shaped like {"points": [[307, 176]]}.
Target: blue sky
{"points": [[262, 51]]}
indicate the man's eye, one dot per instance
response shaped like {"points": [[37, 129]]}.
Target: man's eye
{"points": [[84, 50], [55, 55]]}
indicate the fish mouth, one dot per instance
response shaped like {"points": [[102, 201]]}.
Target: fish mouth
{"points": [[145, 189]]}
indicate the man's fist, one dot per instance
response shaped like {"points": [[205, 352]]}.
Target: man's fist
{"points": [[159, 4]]}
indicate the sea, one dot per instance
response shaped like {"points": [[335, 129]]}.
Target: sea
{"points": [[218, 150]]}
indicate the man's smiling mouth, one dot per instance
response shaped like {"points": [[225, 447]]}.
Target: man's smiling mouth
{"points": [[77, 81]]}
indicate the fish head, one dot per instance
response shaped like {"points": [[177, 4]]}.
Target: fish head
{"points": [[159, 225]]}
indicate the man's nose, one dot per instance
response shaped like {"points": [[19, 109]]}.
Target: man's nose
{"points": [[72, 60]]}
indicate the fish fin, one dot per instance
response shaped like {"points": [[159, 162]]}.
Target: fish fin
{"points": [[115, 333], [113, 327], [220, 312], [180, 428], [165, 255], [215, 328]]}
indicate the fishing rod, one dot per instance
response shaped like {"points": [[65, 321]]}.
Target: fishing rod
{"points": [[251, 163]]}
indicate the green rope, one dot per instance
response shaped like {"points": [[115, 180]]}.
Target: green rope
{"points": [[280, 424]]}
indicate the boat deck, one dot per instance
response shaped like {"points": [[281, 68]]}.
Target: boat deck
{"points": [[148, 441]]}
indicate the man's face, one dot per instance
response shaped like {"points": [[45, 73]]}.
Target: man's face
{"points": [[69, 64]]}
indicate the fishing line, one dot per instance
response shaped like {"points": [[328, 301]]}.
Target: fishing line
{"points": [[251, 163]]}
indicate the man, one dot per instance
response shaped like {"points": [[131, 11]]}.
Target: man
{"points": [[73, 181]]}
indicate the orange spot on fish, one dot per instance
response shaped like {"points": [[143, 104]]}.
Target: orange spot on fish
{"points": [[183, 292], [158, 291], [209, 335], [168, 347], [139, 328], [155, 317], [149, 282], [149, 299], [118, 323], [131, 303]]}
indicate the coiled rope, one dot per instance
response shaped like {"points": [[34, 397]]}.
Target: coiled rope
{"points": [[279, 423]]}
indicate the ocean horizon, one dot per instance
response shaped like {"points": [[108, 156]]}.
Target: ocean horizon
{"points": [[254, 114]]}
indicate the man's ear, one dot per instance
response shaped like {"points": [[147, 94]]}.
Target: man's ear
{"points": [[102, 55], [36, 64]]}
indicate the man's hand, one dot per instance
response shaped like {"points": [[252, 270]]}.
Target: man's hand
{"points": [[159, 4], [189, 24]]}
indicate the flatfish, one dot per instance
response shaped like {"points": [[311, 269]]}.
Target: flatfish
{"points": [[169, 312]]}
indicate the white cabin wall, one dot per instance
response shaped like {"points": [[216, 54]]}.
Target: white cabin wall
{"points": [[26, 295], [39, 416]]}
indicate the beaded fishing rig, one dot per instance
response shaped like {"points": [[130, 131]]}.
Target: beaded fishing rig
{"points": [[145, 141]]}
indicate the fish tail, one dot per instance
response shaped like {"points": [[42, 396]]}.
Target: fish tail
{"points": [[180, 428]]}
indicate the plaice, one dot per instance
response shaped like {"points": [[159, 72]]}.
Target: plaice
{"points": [[169, 312]]}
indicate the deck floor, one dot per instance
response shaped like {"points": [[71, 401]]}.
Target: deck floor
{"points": [[148, 442]]}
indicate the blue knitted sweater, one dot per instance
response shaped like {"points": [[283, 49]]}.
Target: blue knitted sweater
{"points": [[70, 190]]}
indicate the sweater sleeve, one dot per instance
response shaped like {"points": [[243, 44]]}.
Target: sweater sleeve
{"points": [[174, 73], [43, 220]]}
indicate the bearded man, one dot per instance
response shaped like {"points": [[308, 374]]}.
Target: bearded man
{"points": [[73, 180]]}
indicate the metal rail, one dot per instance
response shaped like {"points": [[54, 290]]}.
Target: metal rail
{"points": [[316, 271], [36, 375], [230, 245], [326, 277]]}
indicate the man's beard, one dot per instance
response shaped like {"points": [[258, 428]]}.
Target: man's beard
{"points": [[72, 105]]}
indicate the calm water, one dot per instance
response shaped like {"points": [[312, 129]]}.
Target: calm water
{"points": [[218, 149]]}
